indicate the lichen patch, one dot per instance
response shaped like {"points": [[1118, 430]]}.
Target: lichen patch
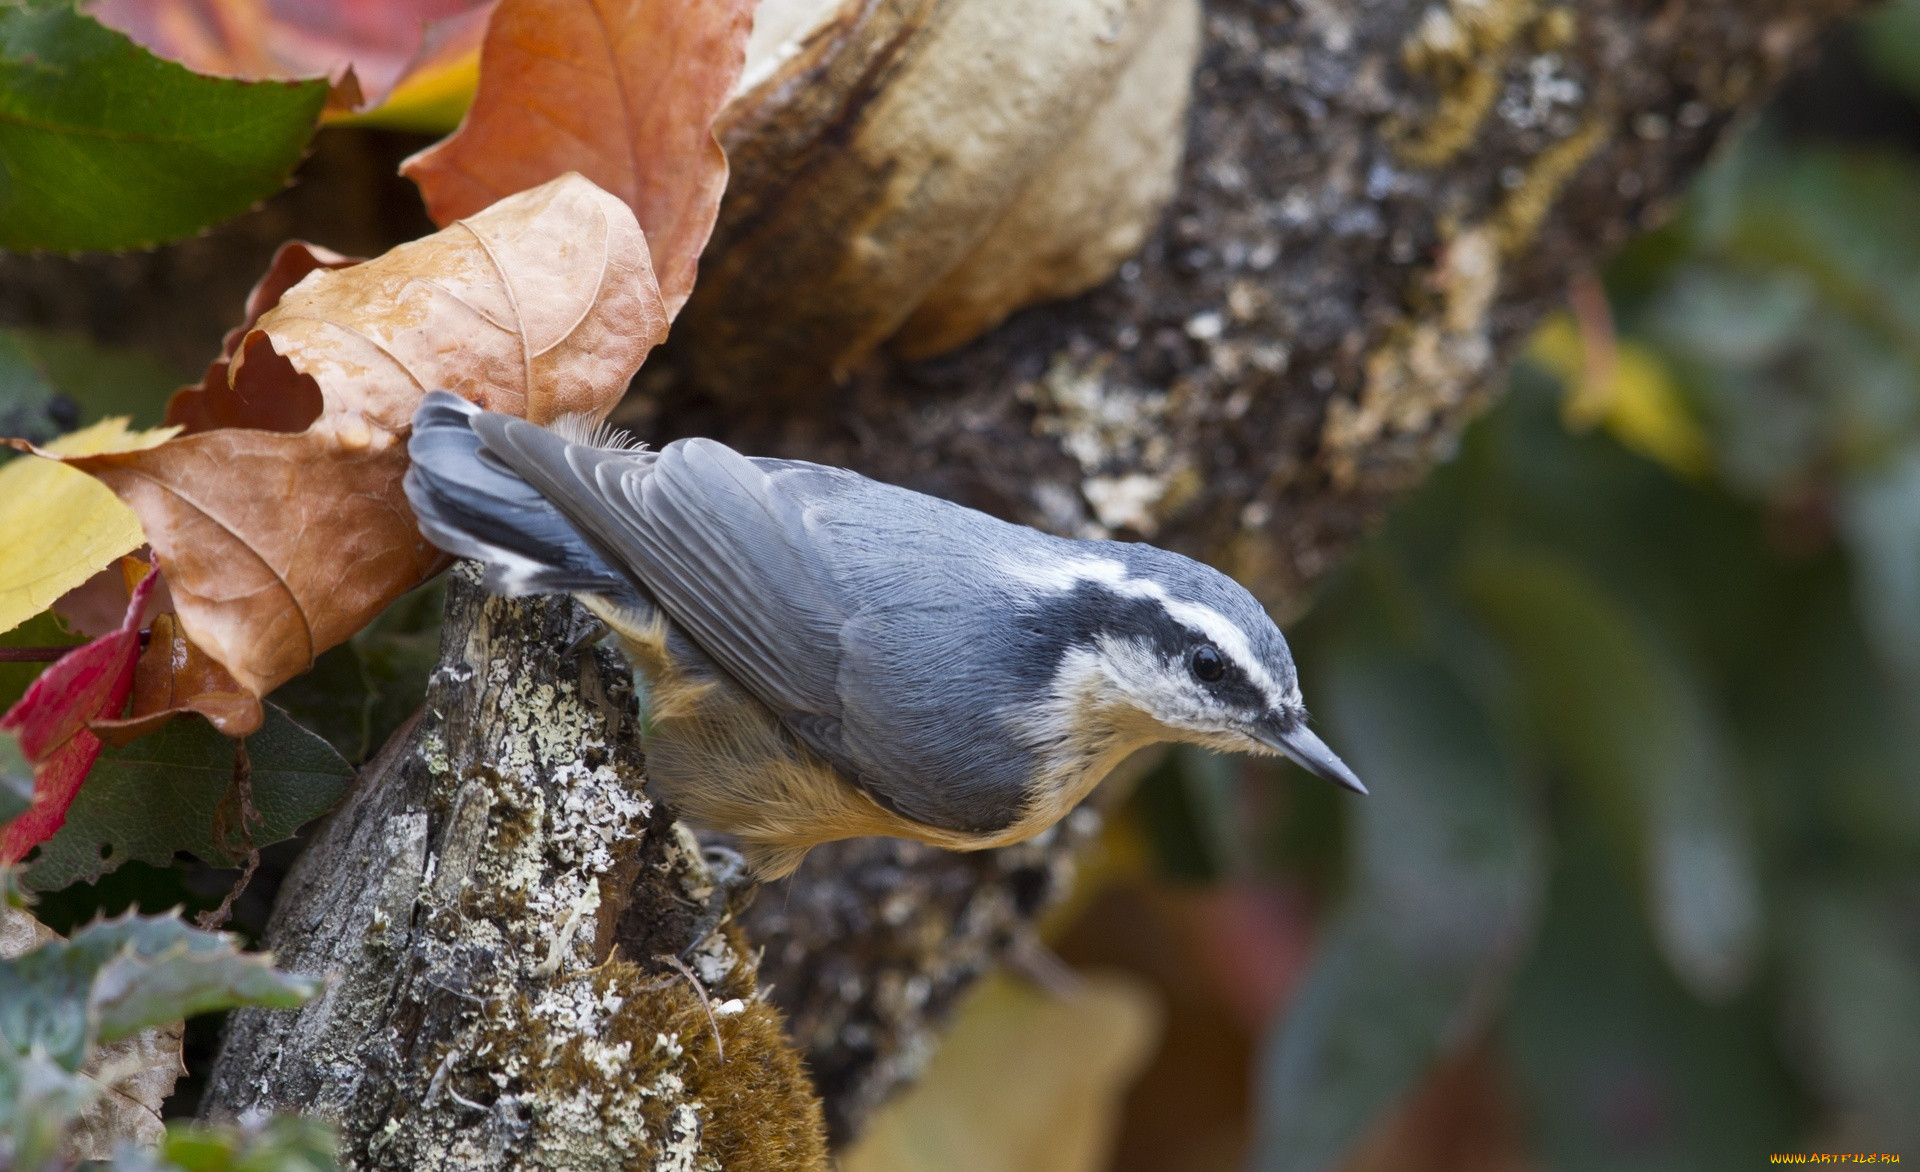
{"points": [[1133, 474]]}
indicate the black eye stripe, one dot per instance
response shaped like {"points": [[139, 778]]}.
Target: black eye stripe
{"points": [[1042, 629]]}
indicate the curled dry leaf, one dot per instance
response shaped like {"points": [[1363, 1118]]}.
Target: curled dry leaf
{"points": [[285, 406], [174, 676], [366, 47], [932, 165], [281, 520], [624, 92], [51, 721]]}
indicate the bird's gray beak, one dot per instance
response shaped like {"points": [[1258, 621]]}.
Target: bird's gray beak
{"points": [[1309, 752]]}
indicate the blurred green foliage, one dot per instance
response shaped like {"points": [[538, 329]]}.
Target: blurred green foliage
{"points": [[52, 383], [1635, 681], [62, 999], [279, 1143]]}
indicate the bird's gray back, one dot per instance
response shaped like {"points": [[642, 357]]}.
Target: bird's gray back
{"points": [[929, 649]]}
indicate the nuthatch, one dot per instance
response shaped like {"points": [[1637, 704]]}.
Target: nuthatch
{"points": [[828, 657]]}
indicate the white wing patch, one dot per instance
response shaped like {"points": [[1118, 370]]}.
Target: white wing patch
{"points": [[1062, 576]]}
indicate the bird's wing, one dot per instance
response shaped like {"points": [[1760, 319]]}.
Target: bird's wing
{"points": [[729, 556], [722, 551], [749, 557]]}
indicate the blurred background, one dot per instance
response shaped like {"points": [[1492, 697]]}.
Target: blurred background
{"points": [[1635, 679]]}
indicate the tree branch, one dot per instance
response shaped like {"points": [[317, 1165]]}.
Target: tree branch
{"points": [[504, 917]]}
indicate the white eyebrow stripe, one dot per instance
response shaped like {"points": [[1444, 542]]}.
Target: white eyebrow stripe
{"points": [[1062, 576]]}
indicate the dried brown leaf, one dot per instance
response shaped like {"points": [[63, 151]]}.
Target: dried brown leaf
{"points": [[290, 406], [174, 676], [624, 92], [281, 543]]}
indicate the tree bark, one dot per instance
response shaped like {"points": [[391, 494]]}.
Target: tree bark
{"points": [[530, 964], [1378, 202]]}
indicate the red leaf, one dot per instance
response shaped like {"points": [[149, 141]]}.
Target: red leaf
{"points": [[50, 722]]}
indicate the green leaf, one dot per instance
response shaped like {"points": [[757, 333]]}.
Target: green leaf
{"points": [[1448, 871], [163, 793], [39, 1101], [281, 1143], [133, 992], [361, 691], [16, 779], [114, 978], [1636, 731], [1853, 976], [332, 699], [104, 145], [1620, 1068]]}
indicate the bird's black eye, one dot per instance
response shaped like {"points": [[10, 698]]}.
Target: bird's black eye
{"points": [[1208, 665]]}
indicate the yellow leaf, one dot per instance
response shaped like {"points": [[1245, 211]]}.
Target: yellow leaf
{"points": [[1649, 417], [431, 100], [58, 526], [1025, 1081], [1639, 404]]}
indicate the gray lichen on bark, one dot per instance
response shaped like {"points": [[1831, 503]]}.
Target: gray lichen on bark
{"points": [[487, 1006]]}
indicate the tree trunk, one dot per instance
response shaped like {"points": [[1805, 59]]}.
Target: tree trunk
{"points": [[1378, 201], [530, 964]]}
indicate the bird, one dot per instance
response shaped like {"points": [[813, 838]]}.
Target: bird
{"points": [[826, 656]]}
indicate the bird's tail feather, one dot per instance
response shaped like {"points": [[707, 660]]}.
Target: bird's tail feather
{"points": [[471, 504]]}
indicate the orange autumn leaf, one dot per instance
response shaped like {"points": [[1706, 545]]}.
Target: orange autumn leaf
{"points": [[542, 305], [276, 546], [281, 522], [624, 92]]}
